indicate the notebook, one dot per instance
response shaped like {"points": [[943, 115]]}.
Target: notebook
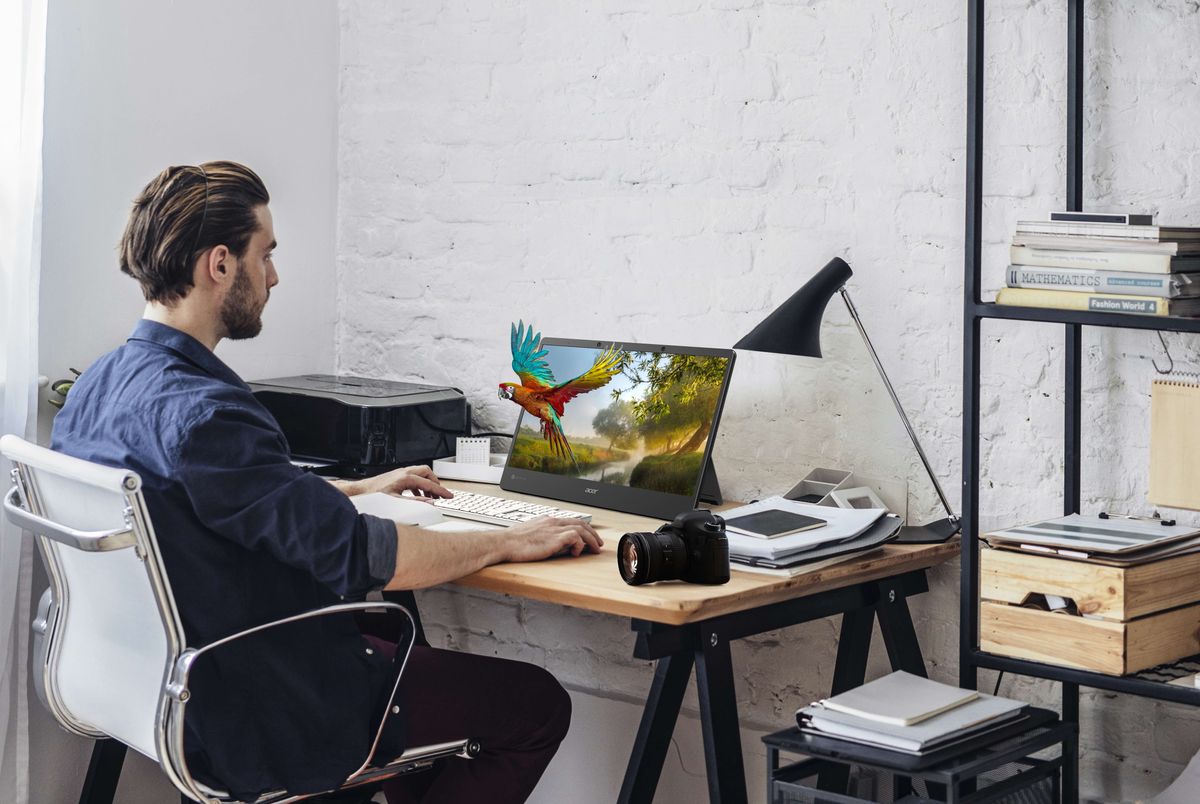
{"points": [[772, 523], [1175, 444], [899, 699], [983, 713]]}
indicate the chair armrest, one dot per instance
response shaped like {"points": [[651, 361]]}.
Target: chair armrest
{"points": [[94, 541], [178, 694]]}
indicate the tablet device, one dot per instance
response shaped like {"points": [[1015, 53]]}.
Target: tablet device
{"points": [[772, 523]]}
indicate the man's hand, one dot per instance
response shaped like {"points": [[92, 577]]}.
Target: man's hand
{"points": [[549, 536], [420, 480], [426, 558]]}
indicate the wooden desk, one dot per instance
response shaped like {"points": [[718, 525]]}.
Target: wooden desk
{"points": [[681, 625]]}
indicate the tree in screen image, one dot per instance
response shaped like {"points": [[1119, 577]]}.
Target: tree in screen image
{"points": [[673, 417]]}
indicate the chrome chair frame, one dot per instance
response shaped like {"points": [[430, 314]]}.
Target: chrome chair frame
{"points": [[23, 506]]}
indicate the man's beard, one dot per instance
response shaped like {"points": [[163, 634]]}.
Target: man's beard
{"points": [[241, 314]]}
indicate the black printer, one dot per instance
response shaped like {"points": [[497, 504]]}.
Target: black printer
{"points": [[361, 426]]}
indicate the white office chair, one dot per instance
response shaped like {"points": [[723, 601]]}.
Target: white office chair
{"points": [[109, 653]]}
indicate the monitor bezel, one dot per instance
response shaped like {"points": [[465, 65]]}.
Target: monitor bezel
{"points": [[626, 499]]}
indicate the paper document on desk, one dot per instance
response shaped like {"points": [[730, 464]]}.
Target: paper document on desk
{"points": [[842, 524], [883, 530], [405, 510]]}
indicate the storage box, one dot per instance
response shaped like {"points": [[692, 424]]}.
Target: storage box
{"points": [[819, 484], [1136, 617]]}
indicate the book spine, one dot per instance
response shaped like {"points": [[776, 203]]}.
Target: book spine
{"points": [[1086, 302], [1101, 260], [1063, 242], [1104, 217], [1162, 286]]}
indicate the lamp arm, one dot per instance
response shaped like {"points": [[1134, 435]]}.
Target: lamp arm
{"points": [[912, 434]]}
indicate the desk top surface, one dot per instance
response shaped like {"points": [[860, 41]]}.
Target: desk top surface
{"points": [[592, 581]]}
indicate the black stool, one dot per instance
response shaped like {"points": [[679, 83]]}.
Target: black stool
{"points": [[956, 773]]}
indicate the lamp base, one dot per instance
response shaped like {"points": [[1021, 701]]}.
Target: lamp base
{"points": [[933, 533]]}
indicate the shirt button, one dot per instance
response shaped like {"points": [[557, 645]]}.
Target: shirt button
{"points": [[370, 651], [395, 710]]}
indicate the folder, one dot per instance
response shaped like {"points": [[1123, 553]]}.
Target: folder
{"points": [[983, 713]]}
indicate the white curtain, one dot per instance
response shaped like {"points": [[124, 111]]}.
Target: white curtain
{"points": [[22, 86]]}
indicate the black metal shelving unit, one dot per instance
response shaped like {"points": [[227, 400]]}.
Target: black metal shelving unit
{"points": [[1150, 684]]}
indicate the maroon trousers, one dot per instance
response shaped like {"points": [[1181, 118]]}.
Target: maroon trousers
{"points": [[518, 712]]}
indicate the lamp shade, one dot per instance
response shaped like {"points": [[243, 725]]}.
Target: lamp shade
{"points": [[794, 328]]}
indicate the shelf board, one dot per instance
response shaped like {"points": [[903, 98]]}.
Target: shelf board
{"points": [[1148, 684], [1118, 320]]}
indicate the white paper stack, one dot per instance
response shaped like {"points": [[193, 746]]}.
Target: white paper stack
{"points": [[842, 524]]}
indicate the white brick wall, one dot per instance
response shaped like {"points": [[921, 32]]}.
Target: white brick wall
{"points": [[668, 171]]}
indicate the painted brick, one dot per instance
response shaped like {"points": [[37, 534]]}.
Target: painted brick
{"points": [[672, 171]]}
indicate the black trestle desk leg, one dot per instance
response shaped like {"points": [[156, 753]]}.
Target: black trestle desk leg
{"points": [[896, 626], [849, 671], [904, 653], [103, 773], [719, 719], [671, 676]]}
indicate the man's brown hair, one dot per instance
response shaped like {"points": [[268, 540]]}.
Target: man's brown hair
{"points": [[182, 213]]}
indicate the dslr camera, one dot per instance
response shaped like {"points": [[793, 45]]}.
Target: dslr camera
{"points": [[692, 548]]}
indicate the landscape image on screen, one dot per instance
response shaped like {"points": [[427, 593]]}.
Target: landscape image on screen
{"points": [[646, 428]]}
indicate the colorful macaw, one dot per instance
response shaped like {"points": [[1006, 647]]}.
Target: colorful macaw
{"points": [[541, 395]]}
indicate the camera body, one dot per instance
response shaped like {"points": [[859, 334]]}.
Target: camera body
{"points": [[692, 548]]}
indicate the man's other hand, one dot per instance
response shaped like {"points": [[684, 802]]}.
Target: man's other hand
{"points": [[549, 536], [420, 480]]}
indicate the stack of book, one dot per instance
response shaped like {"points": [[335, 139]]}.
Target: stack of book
{"points": [[785, 537], [907, 713], [1098, 262]]}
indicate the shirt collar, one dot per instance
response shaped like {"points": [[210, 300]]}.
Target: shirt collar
{"points": [[187, 347]]}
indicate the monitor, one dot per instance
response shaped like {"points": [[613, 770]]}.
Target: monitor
{"points": [[623, 426]]}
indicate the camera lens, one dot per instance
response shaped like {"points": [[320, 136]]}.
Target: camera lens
{"points": [[648, 557]]}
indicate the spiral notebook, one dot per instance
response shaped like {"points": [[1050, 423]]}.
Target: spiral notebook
{"points": [[1175, 444]]}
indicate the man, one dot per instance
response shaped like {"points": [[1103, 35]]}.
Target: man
{"points": [[248, 538]]}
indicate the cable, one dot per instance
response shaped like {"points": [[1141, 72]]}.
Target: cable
{"points": [[999, 678], [492, 435]]}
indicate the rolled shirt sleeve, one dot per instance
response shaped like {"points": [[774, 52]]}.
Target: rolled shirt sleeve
{"points": [[234, 464], [381, 549]]}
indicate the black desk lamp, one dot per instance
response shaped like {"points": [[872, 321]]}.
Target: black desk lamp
{"points": [[794, 328]]}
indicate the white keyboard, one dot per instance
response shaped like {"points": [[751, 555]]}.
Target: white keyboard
{"points": [[498, 510]]}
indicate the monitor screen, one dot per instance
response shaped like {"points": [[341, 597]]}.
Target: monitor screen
{"points": [[621, 426]]}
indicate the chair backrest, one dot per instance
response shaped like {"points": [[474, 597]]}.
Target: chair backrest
{"points": [[112, 634]]}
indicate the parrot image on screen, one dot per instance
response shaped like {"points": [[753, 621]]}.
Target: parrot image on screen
{"points": [[541, 395]]}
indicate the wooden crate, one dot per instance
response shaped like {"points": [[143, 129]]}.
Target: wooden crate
{"points": [[1140, 616], [1113, 593]]}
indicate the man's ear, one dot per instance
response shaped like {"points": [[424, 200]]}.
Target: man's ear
{"points": [[219, 264]]}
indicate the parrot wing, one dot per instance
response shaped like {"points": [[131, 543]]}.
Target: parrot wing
{"points": [[528, 358], [606, 366]]}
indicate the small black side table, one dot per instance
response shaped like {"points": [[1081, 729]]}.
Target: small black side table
{"points": [[951, 773]]}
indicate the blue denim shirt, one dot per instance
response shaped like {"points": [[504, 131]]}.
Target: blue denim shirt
{"points": [[246, 538]]}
